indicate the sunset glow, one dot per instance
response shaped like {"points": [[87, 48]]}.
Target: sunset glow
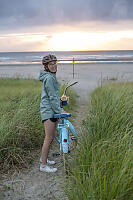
{"points": [[71, 41], [66, 25], [68, 41]]}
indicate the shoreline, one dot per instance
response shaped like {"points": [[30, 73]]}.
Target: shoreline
{"points": [[83, 62]]}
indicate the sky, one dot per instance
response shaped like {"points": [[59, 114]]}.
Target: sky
{"points": [[66, 25]]}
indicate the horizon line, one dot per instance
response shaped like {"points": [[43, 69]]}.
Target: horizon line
{"points": [[64, 51]]}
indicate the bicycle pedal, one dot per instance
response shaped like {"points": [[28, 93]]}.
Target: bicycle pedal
{"points": [[55, 154], [73, 138]]}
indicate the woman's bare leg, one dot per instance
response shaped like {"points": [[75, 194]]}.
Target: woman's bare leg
{"points": [[50, 128]]}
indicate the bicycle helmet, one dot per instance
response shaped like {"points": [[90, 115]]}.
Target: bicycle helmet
{"points": [[48, 58]]}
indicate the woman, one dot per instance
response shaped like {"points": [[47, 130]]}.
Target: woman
{"points": [[50, 105]]}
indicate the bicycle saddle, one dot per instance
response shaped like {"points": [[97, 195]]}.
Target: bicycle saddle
{"points": [[64, 115]]}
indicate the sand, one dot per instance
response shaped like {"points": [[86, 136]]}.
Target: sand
{"points": [[89, 76]]}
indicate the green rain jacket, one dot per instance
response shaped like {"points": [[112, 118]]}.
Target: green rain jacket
{"points": [[50, 97]]}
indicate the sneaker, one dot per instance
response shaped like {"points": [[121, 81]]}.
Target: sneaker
{"points": [[46, 168], [50, 162]]}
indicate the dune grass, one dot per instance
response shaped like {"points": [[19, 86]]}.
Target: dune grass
{"points": [[21, 130], [102, 168]]}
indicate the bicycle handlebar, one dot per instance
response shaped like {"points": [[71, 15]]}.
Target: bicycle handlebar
{"points": [[69, 86]]}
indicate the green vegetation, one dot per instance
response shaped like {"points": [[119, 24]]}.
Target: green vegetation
{"points": [[102, 168], [21, 130]]}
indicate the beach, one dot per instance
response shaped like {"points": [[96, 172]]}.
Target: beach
{"points": [[30, 183], [88, 75]]}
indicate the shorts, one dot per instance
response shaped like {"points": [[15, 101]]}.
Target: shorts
{"points": [[51, 119]]}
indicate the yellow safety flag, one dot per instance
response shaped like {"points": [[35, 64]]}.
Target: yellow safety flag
{"points": [[73, 62]]}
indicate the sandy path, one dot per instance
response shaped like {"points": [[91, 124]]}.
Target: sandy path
{"points": [[33, 184]]}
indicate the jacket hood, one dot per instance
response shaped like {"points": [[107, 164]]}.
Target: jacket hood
{"points": [[44, 74]]}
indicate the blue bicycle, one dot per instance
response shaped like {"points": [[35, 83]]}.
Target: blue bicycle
{"points": [[64, 126]]}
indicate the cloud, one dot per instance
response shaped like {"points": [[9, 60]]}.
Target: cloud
{"points": [[121, 44], [32, 13], [22, 42]]}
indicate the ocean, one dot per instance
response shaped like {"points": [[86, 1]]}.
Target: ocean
{"points": [[22, 58]]}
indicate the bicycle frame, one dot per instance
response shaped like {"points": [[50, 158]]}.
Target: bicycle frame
{"points": [[64, 126], [63, 129]]}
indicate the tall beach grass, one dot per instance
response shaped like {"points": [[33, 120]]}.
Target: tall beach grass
{"points": [[102, 168], [21, 130]]}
